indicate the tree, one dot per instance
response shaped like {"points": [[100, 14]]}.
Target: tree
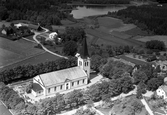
{"points": [[3, 12], [74, 98], [139, 76], [154, 83], [70, 48], [75, 34], [127, 84], [29, 87], [137, 106]]}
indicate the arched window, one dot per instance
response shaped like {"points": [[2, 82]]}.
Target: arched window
{"points": [[80, 63], [85, 63], [67, 86]]}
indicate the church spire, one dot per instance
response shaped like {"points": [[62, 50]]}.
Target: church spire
{"points": [[84, 49]]}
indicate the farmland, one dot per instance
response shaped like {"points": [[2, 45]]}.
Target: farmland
{"points": [[40, 58], [13, 51]]}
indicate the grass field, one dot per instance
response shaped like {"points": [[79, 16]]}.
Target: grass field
{"points": [[135, 32], [67, 22], [110, 22], [110, 39], [132, 60], [113, 24], [4, 110], [12, 51], [156, 37], [41, 58]]}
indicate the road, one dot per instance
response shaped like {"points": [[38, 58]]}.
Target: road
{"points": [[35, 38], [4, 110]]}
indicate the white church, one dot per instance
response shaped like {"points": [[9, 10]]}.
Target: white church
{"points": [[66, 79]]}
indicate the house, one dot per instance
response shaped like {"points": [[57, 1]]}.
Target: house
{"points": [[52, 35], [66, 79], [162, 92], [162, 64], [35, 27]]}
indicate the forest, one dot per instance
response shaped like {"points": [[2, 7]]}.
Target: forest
{"points": [[107, 1], [38, 11], [150, 18]]}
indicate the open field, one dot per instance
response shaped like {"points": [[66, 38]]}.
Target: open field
{"points": [[110, 39], [113, 24], [133, 60], [4, 110], [12, 51], [89, 39], [120, 35], [156, 37], [41, 58], [135, 32], [67, 22], [110, 22]]}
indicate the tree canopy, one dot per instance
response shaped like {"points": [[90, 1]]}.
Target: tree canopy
{"points": [[156, 45], [70, 48], [148, 17]]}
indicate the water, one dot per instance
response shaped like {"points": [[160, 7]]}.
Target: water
{"points": [[84, 11]]}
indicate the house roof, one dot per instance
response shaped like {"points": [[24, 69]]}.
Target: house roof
{"points": [[61, 76], [164, 88], [36, 87], [33, 26]]}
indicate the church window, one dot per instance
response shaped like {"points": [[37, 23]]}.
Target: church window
{"points": [[61, 87], [48, 90], [72, 83], [67, 86], [83, 80], [80, 63], [78, 82], [85, 63], [55, 89]]}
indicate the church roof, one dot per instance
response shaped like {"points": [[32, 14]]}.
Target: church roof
{"points": [[84, 49], [61, 76]]}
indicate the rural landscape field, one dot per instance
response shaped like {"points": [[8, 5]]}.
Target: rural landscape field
{"points": [[83, 57]]}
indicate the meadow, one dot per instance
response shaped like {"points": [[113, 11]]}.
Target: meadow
{"points": [[40, 58], [13, 51]]}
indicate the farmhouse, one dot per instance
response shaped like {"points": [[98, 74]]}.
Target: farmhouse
{"points": [[162, 92], [162, 64], [62, 80]]}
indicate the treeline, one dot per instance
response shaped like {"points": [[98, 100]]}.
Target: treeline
{"points": [[37, 11], [29, 71], [107, 1], [148, 17]]}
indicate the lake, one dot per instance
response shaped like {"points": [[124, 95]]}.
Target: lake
{"points": [[84, 11]]}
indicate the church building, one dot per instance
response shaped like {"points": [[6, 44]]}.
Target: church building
{"points": [[58, 81]]}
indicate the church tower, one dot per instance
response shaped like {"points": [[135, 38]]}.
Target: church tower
{"points": [[83, 58]]}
